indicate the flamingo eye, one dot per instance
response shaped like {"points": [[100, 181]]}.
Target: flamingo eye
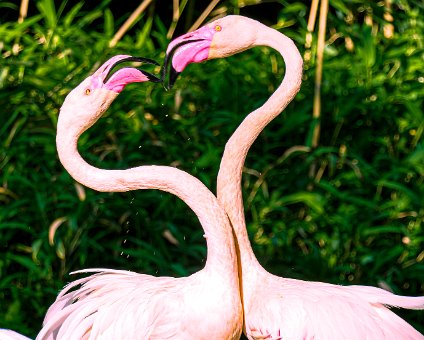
{"points": [[87, 91], [218, 28]]}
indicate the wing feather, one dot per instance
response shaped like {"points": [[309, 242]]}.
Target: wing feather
{"points": [[300, 310]]}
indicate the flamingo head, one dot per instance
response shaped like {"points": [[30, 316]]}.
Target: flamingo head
{"points": [[85, 104], [219, 39]]}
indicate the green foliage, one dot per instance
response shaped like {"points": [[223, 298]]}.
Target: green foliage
{"points": [[349, 211]]}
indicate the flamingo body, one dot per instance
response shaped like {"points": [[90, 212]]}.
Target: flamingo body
{"points": [[117, 304], [275, 307]]}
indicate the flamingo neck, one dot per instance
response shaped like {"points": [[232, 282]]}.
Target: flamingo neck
{"points": [[230, 174], [221, 256]]}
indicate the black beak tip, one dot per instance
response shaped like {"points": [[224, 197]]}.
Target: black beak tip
{"points": [[154, 79], [151, 77], [173, 75]]}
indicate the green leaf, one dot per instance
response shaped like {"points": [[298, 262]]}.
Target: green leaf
{"points": [[312, 200], [109, 26], [377, 230], [48, 11], [70, 16]]}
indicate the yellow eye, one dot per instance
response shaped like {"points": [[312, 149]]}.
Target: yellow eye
{"points": [[218, 28], [87, 91]]}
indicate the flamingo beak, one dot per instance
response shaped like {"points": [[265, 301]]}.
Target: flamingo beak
{"points": [[105, 78], [192, 47]]}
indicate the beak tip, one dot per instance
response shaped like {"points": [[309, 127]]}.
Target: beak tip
{"points": [[151, 77], [173, 75]]}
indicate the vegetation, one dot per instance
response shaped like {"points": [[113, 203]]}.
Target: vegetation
{"points": [[333, 188]]}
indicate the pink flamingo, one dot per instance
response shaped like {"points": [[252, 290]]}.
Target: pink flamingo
{"points": [[119, 304], [276, 307]]}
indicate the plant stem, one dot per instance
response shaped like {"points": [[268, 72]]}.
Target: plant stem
{"points": [[316, 113], [318, 76], [23, 10], [178, 8], [203, 16], [129, 22], [311, 25]]}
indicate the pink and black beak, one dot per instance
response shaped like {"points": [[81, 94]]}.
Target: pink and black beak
{"points": [[189, 48], [175, 68], [104, 77]]}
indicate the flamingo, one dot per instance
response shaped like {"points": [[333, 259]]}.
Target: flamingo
{"points": [[119, 304], [276, 307]]}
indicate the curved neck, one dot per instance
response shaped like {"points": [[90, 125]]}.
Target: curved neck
{"points": [[221, 256], [230, 173]]}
